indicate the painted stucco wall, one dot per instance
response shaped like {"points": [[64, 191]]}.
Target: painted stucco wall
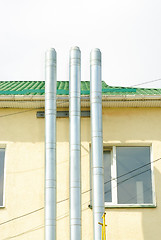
{"points": [[23, 136]]}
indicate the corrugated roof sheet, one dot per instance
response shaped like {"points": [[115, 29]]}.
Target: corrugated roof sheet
{"points": [[38, 88]]}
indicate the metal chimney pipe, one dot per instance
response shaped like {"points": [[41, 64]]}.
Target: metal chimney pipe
{"points": [[97, 140], [50, 145], [75, 151]]}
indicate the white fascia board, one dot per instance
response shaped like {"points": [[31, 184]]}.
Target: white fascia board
{"points": [[38, 101], [131, 97]]}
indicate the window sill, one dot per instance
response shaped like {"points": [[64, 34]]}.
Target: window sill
{"points": [[127, 206], [130, 205], [2, 207]]}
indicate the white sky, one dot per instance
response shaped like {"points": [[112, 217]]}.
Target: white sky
{"points": [[128, 32]]}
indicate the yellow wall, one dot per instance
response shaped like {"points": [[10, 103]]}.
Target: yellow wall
{"points": [[23, 136]]}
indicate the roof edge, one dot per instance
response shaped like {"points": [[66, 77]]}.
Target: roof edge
{"points": [[104, 97], [38, 101]]}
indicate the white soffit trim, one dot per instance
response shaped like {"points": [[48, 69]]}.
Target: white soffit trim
{"points": [[38, 101]]}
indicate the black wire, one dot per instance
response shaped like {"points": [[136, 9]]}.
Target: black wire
{"points": [[31, 230], [123, 182], [83, 193], [6, 115], [132, 171], [22, 216], [130, 178], [63, 216], [117, 178], [126, 173], [63, 200], [155, 80], [67, 214]]}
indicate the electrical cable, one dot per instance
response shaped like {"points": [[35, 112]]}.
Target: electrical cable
{"points": [[125, 179], [20, 234], [11, 114], [130, 178], [58, 218], [24, 215], [91, 189], [155, 80], [63, 200], [122, 182], [127, 174], [132, 171], [113, 179], [65, 215]]}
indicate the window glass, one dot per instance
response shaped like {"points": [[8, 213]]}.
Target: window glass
{"points": [[134, 183], [107, 176], [2, 154]]}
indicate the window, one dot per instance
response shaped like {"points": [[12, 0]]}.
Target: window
{"points": [[128, 176], [2, 155]]}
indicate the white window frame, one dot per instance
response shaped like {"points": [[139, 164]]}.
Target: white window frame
{"points": [[114, 203], [3, 146]]}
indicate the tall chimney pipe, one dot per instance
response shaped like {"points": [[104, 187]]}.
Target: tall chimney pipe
{"points": [[50, 145], [75, 151], [97, 140]]}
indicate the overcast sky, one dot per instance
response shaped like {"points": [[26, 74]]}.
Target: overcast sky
{"points": [[128, 33]]}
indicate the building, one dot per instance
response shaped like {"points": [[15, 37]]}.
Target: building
{"points": [[132, 159]]}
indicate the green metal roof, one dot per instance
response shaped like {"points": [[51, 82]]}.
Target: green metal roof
{"points": [[38, 88]]}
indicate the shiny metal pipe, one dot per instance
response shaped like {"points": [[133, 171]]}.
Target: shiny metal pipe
{"points": [[97, 141], [50, 145], [75, 151]]}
